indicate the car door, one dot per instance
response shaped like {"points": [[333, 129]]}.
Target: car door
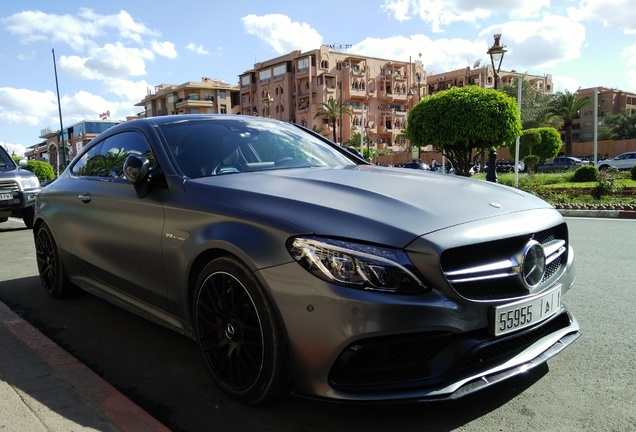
{"points": [[626, 161], [118, 236]]}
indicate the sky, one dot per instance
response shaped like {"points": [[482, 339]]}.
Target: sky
{"points": [[108, 55]]}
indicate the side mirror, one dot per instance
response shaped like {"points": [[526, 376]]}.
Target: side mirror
{"points": [[23, 163], [136, 170]]}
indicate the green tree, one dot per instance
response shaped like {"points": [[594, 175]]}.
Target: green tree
{"points": [[542, 142], [535, 104], [619, 126], [566, 106], [462, 121], [332, 110], [42, 170]]}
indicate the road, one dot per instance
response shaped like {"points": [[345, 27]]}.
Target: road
{"points": [[589, 386]]}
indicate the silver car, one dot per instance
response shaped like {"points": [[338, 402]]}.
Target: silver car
{"points": [[623, 161], [299, 268]]}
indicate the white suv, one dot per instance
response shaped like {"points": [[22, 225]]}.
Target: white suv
{"points": [[623, 161], [18, 190]]}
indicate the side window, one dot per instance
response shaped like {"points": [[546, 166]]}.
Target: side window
{"points": [[107, 158]]}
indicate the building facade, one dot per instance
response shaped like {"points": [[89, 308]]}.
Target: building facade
{"points": [[610, 101], [75, 137], [484, 77], [210, 96], [293, 88]]}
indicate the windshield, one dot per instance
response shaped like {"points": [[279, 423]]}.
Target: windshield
{"points": [[6, 163], [215, 146]]}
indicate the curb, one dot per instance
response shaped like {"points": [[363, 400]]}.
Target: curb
{"points": [[122, 412], [617, 214]]}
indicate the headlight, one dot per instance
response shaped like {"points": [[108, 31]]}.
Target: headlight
{"points": [[358, 265], [30, 182]]}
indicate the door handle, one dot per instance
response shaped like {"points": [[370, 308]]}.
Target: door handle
{"points": [[84, 197]]}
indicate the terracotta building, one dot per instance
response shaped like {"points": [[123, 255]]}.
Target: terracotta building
{"points": [[209, 96], [610, 101], [484, 77], [293, 88]]}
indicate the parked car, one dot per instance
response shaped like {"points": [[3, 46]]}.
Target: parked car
{"points": [[299, 268], [416, 165], [623, 161], [561, 163], [18, 190]]}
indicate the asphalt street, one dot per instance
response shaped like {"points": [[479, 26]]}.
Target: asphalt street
{"points": [[589, 386]]}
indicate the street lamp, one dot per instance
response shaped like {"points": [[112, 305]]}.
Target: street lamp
{"points": [[496, 53], [346, 65], [267, 100]]}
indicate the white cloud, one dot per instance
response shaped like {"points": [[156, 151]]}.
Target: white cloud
{"points": [[538, 44], [77, 31], [630, 54], [17, 106], [165, 49], [197, 49], [441, 13], [279, 32], [612, 13], [109, 61]]}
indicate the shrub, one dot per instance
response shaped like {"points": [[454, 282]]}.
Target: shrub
{"points": [[585, 173], [634, 172], [42, 170], [531, 162]]}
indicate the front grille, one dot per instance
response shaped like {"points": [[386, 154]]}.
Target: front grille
{"points": [[477, 284], [503, 348], [8, 186], [425, 360]]}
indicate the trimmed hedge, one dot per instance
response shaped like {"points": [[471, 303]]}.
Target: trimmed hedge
{"points": [[585, 173]]}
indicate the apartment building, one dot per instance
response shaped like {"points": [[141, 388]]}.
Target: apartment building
{"points": [[484, 77], [610, 101], [209, 96], [293, 88]]}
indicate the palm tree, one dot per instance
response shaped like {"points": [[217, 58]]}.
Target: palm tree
{"points": [[333, 111], [566, 106]]}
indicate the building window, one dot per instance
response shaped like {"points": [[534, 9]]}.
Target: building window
{"points": [[303, 64], [279, 71], [265, 75], [222, 94], [245, 81], [223, 109]]}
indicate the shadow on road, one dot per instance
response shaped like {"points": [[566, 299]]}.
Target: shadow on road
{"points": [[161, 371]]}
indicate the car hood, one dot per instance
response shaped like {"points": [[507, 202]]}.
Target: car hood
{"points": [[385, 205]]}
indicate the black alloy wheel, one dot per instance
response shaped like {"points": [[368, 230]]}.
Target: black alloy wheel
{"points": [[238, 334], [50, 266]]}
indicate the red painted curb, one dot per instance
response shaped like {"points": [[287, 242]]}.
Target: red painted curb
{"points": [[627, 214], [113, 404]]}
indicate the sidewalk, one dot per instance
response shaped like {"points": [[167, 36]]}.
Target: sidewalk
{"points": [[43, 388], [620, 214]]}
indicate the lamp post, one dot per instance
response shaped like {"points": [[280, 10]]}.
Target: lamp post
{"points": [[496, 53], [267, 100], [346, 65]]}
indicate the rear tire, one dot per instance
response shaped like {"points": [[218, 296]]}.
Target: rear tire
{"points": [[50, 265], [238, 333]]}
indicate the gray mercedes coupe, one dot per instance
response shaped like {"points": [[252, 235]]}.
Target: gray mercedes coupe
{"points": [[299, 268]]}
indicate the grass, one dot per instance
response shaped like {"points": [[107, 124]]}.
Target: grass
{"points": [[560, 190]]}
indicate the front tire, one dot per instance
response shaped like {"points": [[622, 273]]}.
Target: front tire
{"points": [[238, 333], [50, 266]]}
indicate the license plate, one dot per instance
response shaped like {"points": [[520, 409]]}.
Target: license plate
{"points": [[524, 313], [4, 197]]}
